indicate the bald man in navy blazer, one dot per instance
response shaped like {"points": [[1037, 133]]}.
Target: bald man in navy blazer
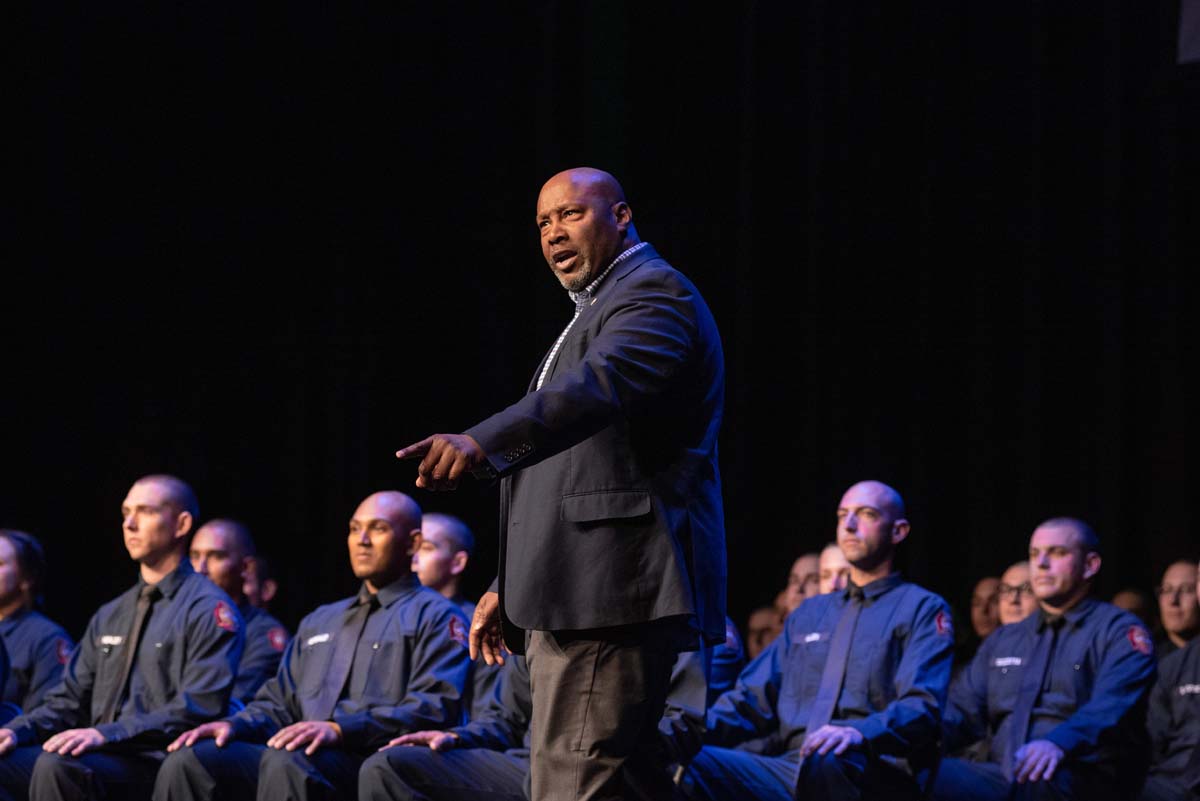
{"points": [[612, 556]]}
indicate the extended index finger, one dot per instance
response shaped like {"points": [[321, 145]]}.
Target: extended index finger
{"points": [[416, 450]]}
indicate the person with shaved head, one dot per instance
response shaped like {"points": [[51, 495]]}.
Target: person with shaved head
{"points": [[848, 699], [360, 671], [154, 662], [1060, 696], [612, 529], [221, 550]]}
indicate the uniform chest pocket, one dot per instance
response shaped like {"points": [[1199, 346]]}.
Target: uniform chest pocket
{"points": [[316, 654], [806, 662], [1005, 675]]}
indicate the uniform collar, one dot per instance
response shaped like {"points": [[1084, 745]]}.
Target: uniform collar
{"points": [[16, 616], [172, 581], [875, 588], [389, 594], [1073, 617]]}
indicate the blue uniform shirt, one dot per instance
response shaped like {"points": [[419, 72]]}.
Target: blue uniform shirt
{"points": [[1174, 717], [728, 659], [408, 672], [265, 640], [37, 650], [182, 675], [1093, 700], [895, 683]]}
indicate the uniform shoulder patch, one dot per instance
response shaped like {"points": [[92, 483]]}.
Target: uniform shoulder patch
{"points": [[457, 631], [277, 637], [223, 614], [945, 628], [62, 650], [1139, 638]]}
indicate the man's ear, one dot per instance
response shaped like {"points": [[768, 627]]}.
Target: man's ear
{"points": [[623, 214], [183, 524], [900, 530], [414, 541], [458, 562], [1091, 564], [268, 590]]}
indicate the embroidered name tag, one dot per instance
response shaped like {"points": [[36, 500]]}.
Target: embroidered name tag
{"points": [[814, 637], [1006, 661], [316, 638], [1189, 689], [111, 639]]}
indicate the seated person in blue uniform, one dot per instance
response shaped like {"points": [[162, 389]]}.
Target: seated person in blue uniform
{"points": [[260, 586], [221, 550], [358, 672], [802, 581], [489, 757], [1177, 607], [37, 646], [153, 663], [1174, 724], [833, 571], [1016, 600], [1060, 696], [446, 547], [849, 696]]}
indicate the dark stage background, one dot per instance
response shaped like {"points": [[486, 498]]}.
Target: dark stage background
{"points": [[263, 248]]}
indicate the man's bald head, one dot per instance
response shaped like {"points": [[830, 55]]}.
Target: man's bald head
{"points": [[384, 533], [401, 511], [584, 223], [175, 491], [886, 498]]}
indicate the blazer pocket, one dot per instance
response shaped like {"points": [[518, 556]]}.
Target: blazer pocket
{"points": [[585, 507]]}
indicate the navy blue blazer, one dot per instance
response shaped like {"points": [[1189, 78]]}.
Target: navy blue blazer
{"points": [[610, 503]]}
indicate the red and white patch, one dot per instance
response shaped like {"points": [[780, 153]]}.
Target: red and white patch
{"points": [[458, 632], [944, 627], [1139, 638], [62, 649], [224, 616], [278, 638]]}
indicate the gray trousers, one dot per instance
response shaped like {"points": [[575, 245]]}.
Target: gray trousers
{"points": [[597, 699]]}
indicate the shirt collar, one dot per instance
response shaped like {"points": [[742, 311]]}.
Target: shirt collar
{"points": [[1074, 616], [875, 588], [389, 594], [589, 291], [170, 583]]}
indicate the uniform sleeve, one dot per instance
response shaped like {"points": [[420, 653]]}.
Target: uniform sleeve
{"points": [[434, 694], [49, 659], [275, 705], [483, 679], [750, 709], [212, 654], [259, 662], [966, 717], [501, 722], [913, 719], [644, 344], [1124, 676], [67, 705]]}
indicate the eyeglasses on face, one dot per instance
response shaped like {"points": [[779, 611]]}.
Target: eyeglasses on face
{"points": [[1005, 590], [1167, 590]]}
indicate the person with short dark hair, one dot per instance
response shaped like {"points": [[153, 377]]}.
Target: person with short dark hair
{"points": [[1177, 607], [154, 662], [1174, 725], [1015, 593], [446, 548], [358, 672], [845, 703], [1061, 695], [36, 646], [221, 550]]}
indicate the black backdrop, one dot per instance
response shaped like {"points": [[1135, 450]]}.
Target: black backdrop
{"points": [[263, 248]]}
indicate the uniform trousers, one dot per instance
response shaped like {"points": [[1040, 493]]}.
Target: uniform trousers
{"points": [[31, 773], [597, 698], [721, 774], [244, 771], [418, 773], [958, 780]]}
